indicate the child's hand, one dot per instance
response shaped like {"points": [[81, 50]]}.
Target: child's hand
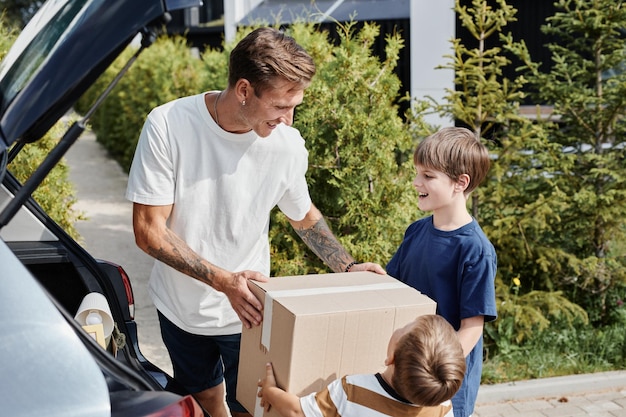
{"points": [[284, 403], [266, 384]]}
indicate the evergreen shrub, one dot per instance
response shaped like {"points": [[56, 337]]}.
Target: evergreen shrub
{"points": [[56, 194]]}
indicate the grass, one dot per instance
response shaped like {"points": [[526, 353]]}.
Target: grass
{"points": [[559, 352]]}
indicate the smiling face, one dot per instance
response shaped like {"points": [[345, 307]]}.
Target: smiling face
{"points": [[436, 190], [274, 106]]}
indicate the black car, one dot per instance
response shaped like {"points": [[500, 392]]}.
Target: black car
{"points": [[50, 365]]}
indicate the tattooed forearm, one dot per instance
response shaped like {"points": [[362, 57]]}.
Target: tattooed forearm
{"points": [[325, 245], [180, 257]]}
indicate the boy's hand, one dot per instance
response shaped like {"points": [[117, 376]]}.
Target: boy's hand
{"points": [[265, 384], [368, 266]]}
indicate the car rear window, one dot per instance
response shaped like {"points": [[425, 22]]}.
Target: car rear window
{"points": [[43, 33]]}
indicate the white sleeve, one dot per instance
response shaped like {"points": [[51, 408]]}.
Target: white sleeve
{"points": [[333, 396], [151, 179], [296, 202], [309, 406]]}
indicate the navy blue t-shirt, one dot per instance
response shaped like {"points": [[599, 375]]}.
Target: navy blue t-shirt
{"points": [[457, 270]]}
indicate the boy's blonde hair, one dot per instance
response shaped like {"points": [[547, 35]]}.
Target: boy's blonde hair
{"points": [[267, 54], [454, 151], [429, 365]]}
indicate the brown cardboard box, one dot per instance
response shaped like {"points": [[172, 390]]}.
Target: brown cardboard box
{"points": [[317, 328]]}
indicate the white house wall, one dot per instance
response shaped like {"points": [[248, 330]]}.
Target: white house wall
{"points": [[432, 29]]}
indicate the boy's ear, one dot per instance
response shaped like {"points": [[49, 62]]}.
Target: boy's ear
{"points": [[390, 359], [462, 183]]}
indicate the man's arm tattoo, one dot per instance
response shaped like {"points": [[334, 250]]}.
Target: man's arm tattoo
{"points": [[180, 257], [320, 239]]}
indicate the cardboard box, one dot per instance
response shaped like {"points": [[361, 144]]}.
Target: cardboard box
{"points": [[317, 328]]}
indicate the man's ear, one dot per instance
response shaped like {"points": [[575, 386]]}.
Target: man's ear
{"points": [[462, 183], [242, 89]]}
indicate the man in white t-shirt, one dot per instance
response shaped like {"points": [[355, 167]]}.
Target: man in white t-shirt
{"points": [[207, 171]]}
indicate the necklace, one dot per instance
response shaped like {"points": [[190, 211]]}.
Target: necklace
{"points": [[217, 118]]}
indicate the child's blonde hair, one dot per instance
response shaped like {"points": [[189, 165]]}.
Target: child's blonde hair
{"points": [[454, 151], [429, 365]]}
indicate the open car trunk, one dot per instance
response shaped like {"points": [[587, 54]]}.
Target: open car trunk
{"points": [[67, 45]]}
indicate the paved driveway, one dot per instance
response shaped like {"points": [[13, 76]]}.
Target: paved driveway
{"points": [[107, 233]]}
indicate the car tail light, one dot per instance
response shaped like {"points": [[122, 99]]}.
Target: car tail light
{"points": [[186, 407], [129, 291]]}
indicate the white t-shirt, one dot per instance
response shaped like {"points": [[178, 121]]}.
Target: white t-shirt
{"points": [[364, 396], [222, 187]]}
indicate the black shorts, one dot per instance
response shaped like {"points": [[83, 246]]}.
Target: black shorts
{"points": [[202, 362]]}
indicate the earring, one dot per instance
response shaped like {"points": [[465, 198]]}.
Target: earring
{"points": [[243, 103]]}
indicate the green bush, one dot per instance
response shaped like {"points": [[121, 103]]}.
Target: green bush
{"points": [[56, 194], [165, 71], [7, 36], [587, 85]]}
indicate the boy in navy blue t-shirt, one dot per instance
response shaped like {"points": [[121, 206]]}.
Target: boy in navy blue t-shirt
{"points": [[446, 255]]}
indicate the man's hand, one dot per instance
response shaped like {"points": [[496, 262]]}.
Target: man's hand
{"points": [[246, 305], [368, 266]]}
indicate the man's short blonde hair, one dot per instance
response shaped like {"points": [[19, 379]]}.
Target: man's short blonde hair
{"points": [[267, 54]]}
